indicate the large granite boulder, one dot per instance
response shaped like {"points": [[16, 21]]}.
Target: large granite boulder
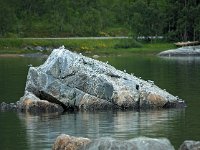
{"points": [[182, 51], [77, 82], [66, 142]]}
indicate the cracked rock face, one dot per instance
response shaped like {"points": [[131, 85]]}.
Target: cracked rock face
{"points": [[74, 81]]}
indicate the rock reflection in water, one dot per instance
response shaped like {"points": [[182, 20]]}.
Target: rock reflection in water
{"points": [[43, 130], [183, 60]]}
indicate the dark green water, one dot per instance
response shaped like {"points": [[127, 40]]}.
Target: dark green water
{"points": [[179, 76]]}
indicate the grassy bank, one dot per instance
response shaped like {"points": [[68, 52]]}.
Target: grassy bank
{"points": [[91, 46]]}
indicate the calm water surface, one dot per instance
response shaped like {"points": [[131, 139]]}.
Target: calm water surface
{"points": [[179, 76]]}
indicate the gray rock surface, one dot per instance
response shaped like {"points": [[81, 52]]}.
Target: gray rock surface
{"points": [[190, 145], [32, 104], [64, 142], [182, 51], [8, 107], [74, 81], [29, 103]]}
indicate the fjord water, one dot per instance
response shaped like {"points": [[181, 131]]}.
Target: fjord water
{"points": [[179, 76]]}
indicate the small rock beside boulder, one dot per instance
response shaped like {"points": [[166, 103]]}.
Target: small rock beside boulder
{"points": [[8, 106], [29, 103], [190, 145]]}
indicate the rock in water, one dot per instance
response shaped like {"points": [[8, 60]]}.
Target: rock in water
{"points": [[140, 143], [190, 145], [74, 81], [182, 51], [32, 104], [65, 142]]}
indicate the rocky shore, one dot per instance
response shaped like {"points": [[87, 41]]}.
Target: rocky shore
{"points": [[69, 81], [182, 51], [66, 142]]}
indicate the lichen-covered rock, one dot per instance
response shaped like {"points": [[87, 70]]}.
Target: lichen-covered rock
{"points": [[190, 145], [74, 81], [66, 142]]}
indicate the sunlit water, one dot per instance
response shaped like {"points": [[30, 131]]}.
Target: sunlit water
{"points": [[179, 76]]}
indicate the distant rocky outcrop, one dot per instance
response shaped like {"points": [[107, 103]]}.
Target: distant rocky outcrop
{"points": [[182, 51], [66, 142], [76, 82], [39, 48]]}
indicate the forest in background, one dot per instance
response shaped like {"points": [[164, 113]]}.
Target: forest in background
{"points": [[176, 20]]}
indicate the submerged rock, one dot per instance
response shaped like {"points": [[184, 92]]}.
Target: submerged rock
{"points": [[190, 145], [77, 82], [182, 51], [65, 142]]}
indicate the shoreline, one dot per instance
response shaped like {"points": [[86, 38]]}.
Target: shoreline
{"points": [[23, 55], [10, 55], [90, 46]]}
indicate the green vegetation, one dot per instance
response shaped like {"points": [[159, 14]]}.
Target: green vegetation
{"points": [[173, 20], [128, 43], [176, 20], [89, 46]]}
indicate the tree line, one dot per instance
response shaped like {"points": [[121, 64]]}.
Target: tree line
{"points": [[177, 20]]}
